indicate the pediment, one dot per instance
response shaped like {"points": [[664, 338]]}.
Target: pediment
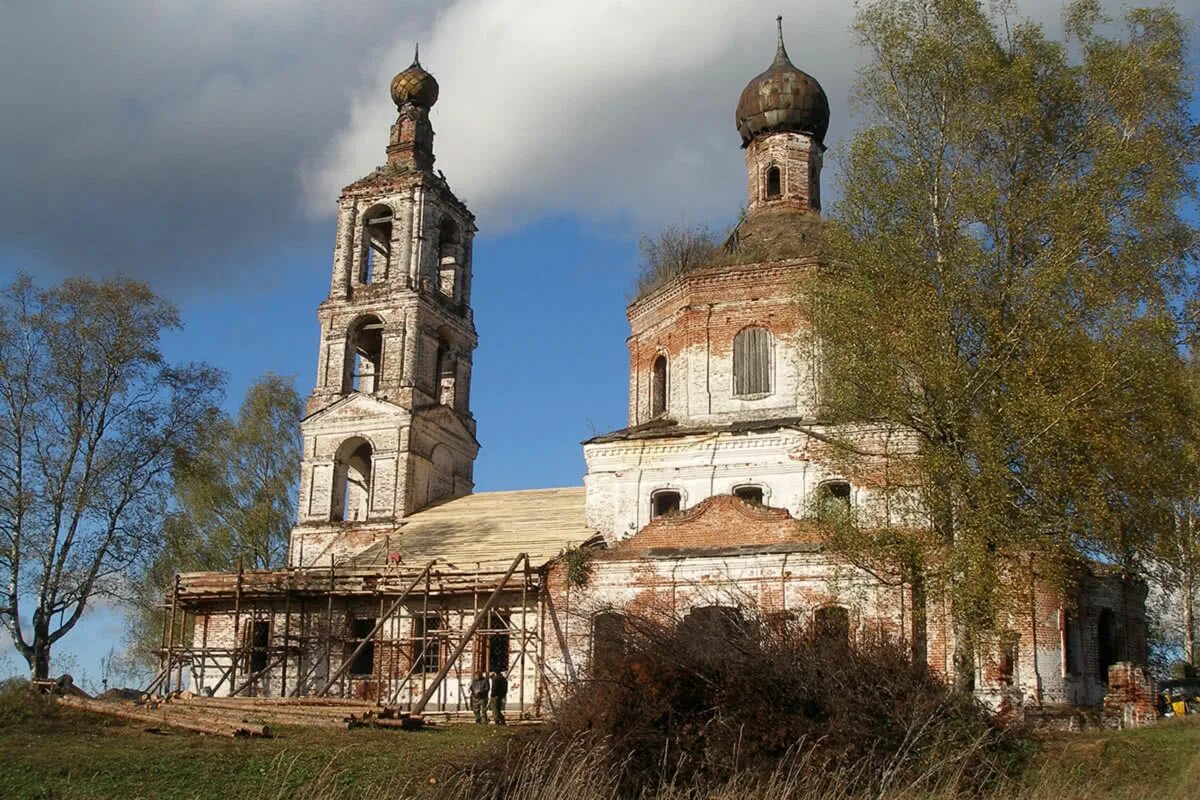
{"points": [[358, 407], [719, 523], [445, 418]]}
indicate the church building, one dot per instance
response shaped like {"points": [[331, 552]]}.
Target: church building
{"points": [[402, 582]]}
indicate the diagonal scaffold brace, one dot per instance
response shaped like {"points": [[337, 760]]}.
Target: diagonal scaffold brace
{"points": [[345, 665]]}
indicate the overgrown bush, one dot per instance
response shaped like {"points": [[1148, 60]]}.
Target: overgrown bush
{"points": [[672, 252], [698, 705], [20, 703]]}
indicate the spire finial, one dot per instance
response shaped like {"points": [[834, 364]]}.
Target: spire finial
{"points": [[780, 50], [417, 52]]}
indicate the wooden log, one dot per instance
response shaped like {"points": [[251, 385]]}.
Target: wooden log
{"points": [[161, 716]]}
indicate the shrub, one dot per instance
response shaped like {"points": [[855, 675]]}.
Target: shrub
{"points": [[672, 252], [20, 703]]}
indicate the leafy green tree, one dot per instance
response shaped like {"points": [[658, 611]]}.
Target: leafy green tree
{"points": [[91, 417], [234, 491], [1007, 267]]}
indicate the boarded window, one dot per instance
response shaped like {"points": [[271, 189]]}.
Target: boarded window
{"points": [[832, 624], [774, 183], [360, 631], [752, 362], [750, 494], [426, 644], [658, 387], [664, 503]]}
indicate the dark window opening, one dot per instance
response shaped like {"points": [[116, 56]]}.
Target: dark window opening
{"points": [[444, 368], [360, 631], [832, 624], [713, 623], [1072, 645], [260, 637], [496, 643], [753, 495], [377, 250], [608, 644], [664, 503], [658, 387], [427, 645], [1006, 663], [351, 496], [1108, 643], [774, 181], [364, 356], [752, 362], [449, 258], [833, 501]]}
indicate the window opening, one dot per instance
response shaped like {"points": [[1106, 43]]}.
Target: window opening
{"points": [[360, 631], [752, 362], [832, 624], [377, 253], [449, 258], [1072, 644], [364, 356], [753, 495], [664, 503], [713, 623], [351, 481], [774, 183], [1108, 643], [658, 387], [260, 637], [496, 643], [608, 644], [444, 373], [833, 501], [426, 644]]}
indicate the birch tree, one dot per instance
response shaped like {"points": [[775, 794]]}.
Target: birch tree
{"points": [[1007, 267], [91, 417]]}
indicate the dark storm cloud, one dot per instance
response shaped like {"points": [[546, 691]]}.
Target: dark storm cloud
{"points": [[164, 139]]}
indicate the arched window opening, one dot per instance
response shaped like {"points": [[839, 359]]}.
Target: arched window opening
{"points": [[831, 624], [658, 387], [664, 503], [351, 481], [751, 495], [774, 183], [377, 244], [449, 258], [833, 501], [1108, 643], [364, 356], [608, 644], [752, 362]]}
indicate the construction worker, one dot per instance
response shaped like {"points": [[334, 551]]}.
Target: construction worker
{"points": [[499, 692], [479, 697]]}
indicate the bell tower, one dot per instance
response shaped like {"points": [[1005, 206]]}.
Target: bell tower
{"points": [[389, 429]]}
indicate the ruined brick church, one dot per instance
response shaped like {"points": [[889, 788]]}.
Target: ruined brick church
{"points": [[402, 581]]}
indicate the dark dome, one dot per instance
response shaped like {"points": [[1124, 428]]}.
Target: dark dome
{"points": [[783, 98], [415, 85]]}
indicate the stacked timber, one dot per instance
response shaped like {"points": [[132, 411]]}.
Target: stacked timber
{"points": [[169, 717]]}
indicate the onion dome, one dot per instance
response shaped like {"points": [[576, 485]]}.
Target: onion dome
{"points": [[783, 98], [415, 85]]}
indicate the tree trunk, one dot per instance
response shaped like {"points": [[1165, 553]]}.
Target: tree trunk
{"points": [[964, 658], [40, 664], [1189, 622]]}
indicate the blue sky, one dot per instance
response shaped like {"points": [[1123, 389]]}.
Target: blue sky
{"points": [[201, 148]]}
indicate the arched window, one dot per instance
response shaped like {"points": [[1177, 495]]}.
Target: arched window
{"points": [[608, 644], [833, 501], [658, 387], [364, 355], [377, 244], [351, 496], [449, 258], [444, 370], [713, 623], [664, 502], [752, 495], [752, 362], [774, 183], [832, 624]]}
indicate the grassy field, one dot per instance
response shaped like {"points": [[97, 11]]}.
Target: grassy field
{"points": [[78, 756], [75, 756]]}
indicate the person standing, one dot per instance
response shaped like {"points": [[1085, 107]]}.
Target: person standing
{"points": [[499, 693], [479, 697]]}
